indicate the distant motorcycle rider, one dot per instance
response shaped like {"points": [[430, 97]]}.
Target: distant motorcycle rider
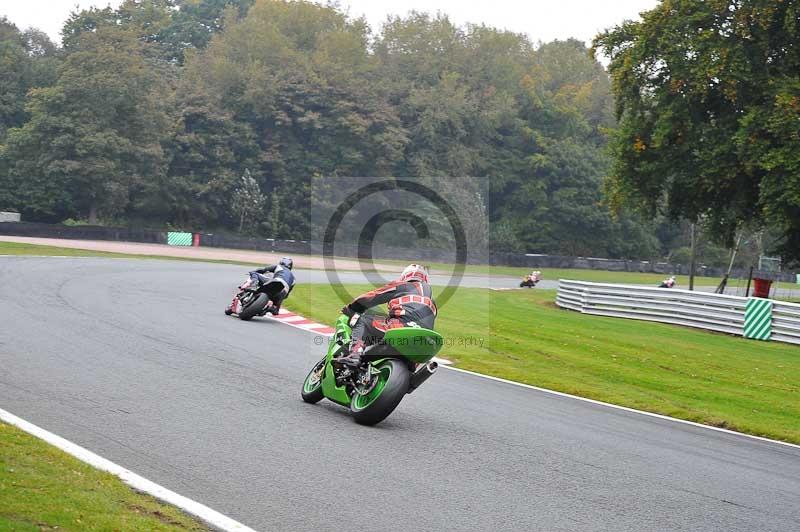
{"points": [[277, 287], [410, 303], [668, 283]]}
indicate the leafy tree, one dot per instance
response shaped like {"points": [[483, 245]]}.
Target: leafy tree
{"points": [[296, 74], [146, 19], [207, 153], [707, 99], [247, 200], [28, 59], [176, 26], [194, 22], [273, 224], [549, 188], [96, 134], [13, 86]]}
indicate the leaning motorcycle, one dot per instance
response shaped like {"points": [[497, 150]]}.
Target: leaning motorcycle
{"points": [[253, 297], [529, 281], [390, 369]]}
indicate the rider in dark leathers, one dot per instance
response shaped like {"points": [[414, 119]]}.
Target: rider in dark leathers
{"points": [[410, 304], [280, 285]]}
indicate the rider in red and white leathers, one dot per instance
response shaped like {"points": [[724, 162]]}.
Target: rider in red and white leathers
{"points": [[410, 304]]}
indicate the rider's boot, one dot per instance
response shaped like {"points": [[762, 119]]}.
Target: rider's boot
{"points": [[353, 359]]}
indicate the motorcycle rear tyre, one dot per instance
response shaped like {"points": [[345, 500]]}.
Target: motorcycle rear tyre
{"points": [[394, 389], [256, 306]]}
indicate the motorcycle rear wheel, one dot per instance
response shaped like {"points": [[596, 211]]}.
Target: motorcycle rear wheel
{"points": [[256, 306], [392, 386]]}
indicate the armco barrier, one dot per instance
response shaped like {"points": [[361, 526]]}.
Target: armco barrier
{"points": [[83, 232], [786, 322], [701, 310]]}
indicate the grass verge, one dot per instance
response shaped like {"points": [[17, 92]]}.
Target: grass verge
{"points": [[14, 248], [44, 488], [716, 379]]}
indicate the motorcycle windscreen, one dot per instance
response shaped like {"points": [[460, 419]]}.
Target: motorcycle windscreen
{"points": [[415, 343]]}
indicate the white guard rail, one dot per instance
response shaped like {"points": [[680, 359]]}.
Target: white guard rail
{"points": [[786, 322], [703, 310]]}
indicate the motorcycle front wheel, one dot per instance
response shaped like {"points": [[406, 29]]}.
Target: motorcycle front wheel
{"points": [[375, 406], [312, 386]]}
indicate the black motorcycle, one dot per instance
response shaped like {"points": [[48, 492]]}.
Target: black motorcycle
{"points": [[255, 297]]}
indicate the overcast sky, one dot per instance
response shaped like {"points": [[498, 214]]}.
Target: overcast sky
{"points": [[543, 20]]}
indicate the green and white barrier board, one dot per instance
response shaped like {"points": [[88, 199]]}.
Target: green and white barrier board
{"points": [[758, 319], [179, 239]]}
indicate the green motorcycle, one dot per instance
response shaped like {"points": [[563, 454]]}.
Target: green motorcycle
{"points": [[396, 366]]}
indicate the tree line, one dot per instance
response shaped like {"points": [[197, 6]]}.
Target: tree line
{"points": [[217, 114]]}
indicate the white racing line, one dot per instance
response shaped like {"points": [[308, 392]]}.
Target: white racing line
{"points": [[139, 483]]}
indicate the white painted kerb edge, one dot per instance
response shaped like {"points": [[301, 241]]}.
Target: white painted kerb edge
{"points": [[212, 517]]}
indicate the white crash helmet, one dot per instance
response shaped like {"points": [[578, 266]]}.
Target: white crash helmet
{"points": [[414, 272]]}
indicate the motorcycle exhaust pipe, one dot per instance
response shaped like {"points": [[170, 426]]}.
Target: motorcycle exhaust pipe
{"points": [[421, 375]]}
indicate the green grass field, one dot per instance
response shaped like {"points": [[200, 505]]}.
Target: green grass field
{"points": [[716, 379], [43, 488]]}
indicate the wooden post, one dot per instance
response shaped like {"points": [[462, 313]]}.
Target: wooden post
{"points": [[749, 279]]}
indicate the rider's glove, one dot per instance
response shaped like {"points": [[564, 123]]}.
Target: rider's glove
{"points": [[347, 311]]}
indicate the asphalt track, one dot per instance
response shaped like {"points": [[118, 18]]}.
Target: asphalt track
{"points": [[135, 361]]}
